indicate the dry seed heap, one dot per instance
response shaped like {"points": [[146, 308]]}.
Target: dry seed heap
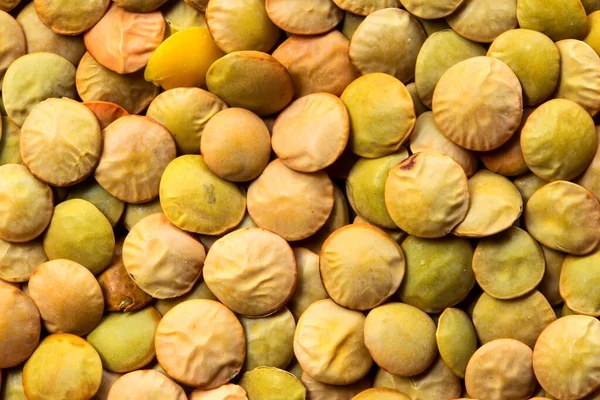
{"points": [[287, 200]]}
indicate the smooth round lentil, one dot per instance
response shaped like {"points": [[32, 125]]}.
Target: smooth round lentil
{"points": [[359, 251], [20, 318], [79, 232], [63, 367], [77, 308], [209, 336], [470, 118], [253, 284], [400, 338], [329, 337], [427, 194], [196, 200], [163, 260]]}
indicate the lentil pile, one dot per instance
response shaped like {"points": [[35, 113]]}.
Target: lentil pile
{"points": [[299, 199]]}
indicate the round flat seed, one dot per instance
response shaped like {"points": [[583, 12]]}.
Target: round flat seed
{"points": [[241, 25], [41, 38], [382, 115], [304, 18], [438, 272], [77, 308], [183, 59], [391, 28], [533, 57], [328, 338], [427, 195], [495, 204], [558, 19], [61, 142], [79, 232], [253, 284], [196, 200], [508, 264], [466, 113], [501, 369], [13, 45], [236, 145], [579, 74], [252, 80], [484, 20], [136, 153], [292, 204], [185, 113], [145, 384], [401, 339], [317, 63], [19, 260], [357, 253], [522, 319], [33, 78], [565, 217], [163, 260], [97, 83], [578, 284], [200, 343], [312, 132], [123, 40], [26, 204], [269, 340], [125, 341], [456, 339], [21, 321], [566, 357], [70, 17], [63, 367]]}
